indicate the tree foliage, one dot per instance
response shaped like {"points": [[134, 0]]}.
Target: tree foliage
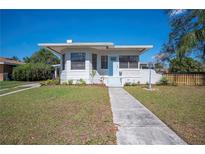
{"points": [[27, 59], [159, 67], [187, 35], [42, 56], [15, 58], [32, 72], [185, 65]]}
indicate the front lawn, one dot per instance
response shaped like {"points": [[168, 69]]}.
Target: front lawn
{"points": [[4, 91], [181, 108], [57, 115], [10, 84]]}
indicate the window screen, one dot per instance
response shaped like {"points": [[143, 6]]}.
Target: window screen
{"points": [[128, 61], [94, 61], [104, 62], [77, 61]]}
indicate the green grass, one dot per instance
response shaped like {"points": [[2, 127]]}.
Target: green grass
{"points": [[9, 84], [57, 115], [11, 89], [181, 108]]}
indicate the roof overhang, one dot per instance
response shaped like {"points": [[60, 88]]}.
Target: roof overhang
{"points": [[10, 62], [60, 47]]}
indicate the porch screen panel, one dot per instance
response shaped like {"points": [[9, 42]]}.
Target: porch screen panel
{"points": [[128, 61], [124, 61], [63, 62], [104, 62], [94, 61], [77, 61], [133, 62]]}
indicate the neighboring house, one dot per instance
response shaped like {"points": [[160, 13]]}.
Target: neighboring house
{"points": [[6, 67], [114, 65]]}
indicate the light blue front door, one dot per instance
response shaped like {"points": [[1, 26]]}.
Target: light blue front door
{"points": [[114, 79], [113, 66]]}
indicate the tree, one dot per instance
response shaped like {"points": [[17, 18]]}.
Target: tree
{"points": [[43, 56], [159, 68], [187, 35], [15, 58], [194, 39], [27, 59], [185, 65]]}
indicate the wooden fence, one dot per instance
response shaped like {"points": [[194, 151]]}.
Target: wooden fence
{"points": [[186, 79]]}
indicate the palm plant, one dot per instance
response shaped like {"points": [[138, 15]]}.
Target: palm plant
{"points": [[187, 35], [92, 74], [194, 39]]}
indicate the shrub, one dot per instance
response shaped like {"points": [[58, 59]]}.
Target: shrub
{"points": [[56, 81], [70, 82], [128, 84], [185, 65], [64, 83], [81, 82], [134, 84], [163, 81], [43, 83], [131, 84], [32, 72], [50, 82]]}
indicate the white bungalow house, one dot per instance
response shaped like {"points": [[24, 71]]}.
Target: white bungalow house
{"points": [[102, 62]]}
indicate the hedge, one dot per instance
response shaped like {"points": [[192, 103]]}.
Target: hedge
{"points": [[32, 72]]}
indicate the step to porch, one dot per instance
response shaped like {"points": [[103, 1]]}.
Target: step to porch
{"points": [[114, 82]]}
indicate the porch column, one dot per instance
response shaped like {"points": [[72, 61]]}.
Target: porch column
{"points": [[55, 75]]}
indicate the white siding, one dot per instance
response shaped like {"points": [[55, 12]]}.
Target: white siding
{"points": [[141, 76], [128, 75], [77, 74]]}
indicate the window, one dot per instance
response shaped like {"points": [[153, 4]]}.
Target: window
{"points": [[63, 62], [77, 61], [133, 62], [94, 61], [104, 62], [124, 61], [128, 61]]}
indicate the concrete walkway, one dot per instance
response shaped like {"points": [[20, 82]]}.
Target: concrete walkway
{"points": [[27, 86], [136, 124]]}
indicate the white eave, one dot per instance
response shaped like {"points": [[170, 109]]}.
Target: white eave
{"points": [[76, 44], [134, 46], [58, 47]]}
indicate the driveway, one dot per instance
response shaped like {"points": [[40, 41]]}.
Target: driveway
{"points": [[136, 124]]}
